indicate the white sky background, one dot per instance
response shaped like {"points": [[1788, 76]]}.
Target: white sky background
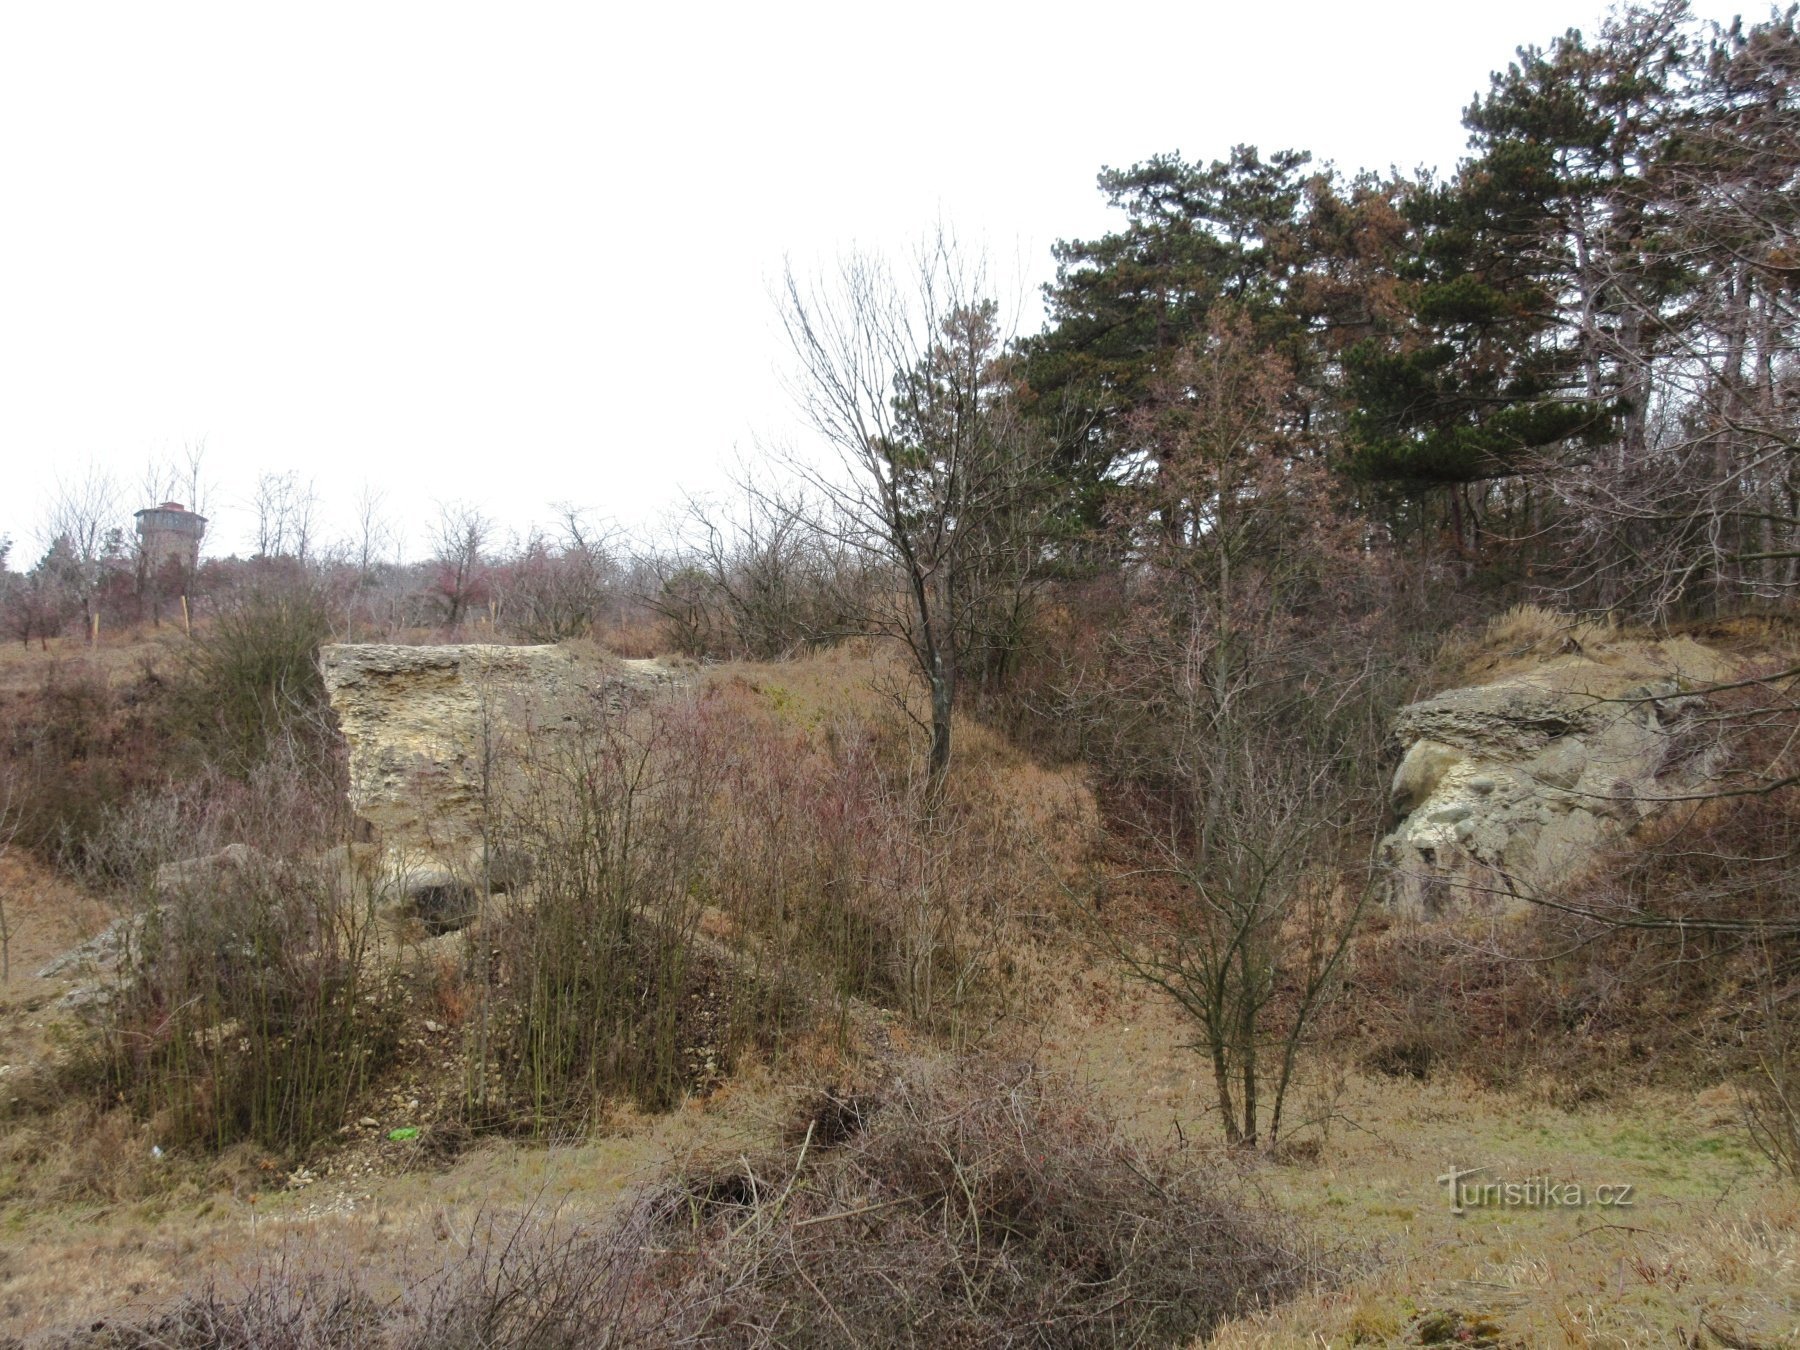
{"points": [[521, 254]]}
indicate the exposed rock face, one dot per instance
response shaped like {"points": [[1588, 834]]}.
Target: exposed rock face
{"points": [[191, 873], [428, 730], [98, 958], [104, 959], [1506, 788], [422, 724]]}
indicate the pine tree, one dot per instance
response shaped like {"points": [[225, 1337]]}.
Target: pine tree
{"points": [[1197, 236]]}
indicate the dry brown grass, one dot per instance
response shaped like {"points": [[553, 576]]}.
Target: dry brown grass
{"points": [[120, 655], [982, 873], [1598, 657], [1710, 1233], [636, 640], [1706, 1236], [983, 1204], [49, 914], [392, 1209]]}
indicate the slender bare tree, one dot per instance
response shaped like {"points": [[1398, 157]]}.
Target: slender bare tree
{"points": [[556, 585], [1222, 723], [459, 541], [907, 376], [84, 516], [286, 517], [371, 538], [758, 576]]}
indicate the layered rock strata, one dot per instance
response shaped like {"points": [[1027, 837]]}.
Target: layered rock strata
{"points": [[1505, 790], [433, 736]]}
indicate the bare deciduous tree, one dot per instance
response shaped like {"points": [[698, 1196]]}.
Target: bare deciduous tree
{"points": [[84, 518], [1239, 813], [372, 538], [939, 480], [1222, 724], [459, 541], [286, 511], [557, 585], [758, 577]]}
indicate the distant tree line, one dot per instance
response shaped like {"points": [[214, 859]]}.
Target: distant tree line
{"points": [[1566, 366]]}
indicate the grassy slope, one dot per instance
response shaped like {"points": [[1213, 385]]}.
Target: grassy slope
{"points": [[1710, 1233]]}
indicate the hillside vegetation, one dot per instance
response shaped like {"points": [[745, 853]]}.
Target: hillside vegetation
{"points": [[999, 886]]}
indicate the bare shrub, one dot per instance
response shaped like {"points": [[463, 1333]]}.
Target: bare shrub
{"points": [[601, 986], [535, 1281], [758, 579], [830, 852], [248, 1003], [557, 588], [1674, 957], [252, 677], [461, 565], [692, 619], [1581, 1003], [41, 602], [1235, 804], [819, 856], [711, 876], [73, 749], [976, 1205], [252, 1011], [990, 1202], [516, 1281], [1430, 997], [1772, 1097]]}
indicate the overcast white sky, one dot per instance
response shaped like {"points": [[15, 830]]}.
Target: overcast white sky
{"points": [[521, 253]]}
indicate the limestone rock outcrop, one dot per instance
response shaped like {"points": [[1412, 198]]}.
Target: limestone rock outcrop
{"points": [[191, 873], [1508, 788], [428, 731]]}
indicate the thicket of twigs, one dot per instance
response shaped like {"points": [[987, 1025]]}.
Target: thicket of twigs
{"points": [[713, 875], [980, 1205]]}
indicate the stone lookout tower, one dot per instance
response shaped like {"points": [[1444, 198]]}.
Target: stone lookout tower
{"points": [[170, 533]]}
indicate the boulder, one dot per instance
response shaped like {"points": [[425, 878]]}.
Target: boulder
{"points": [[1505, 789], [103, 962], [101, 954], [100, 962], [190, 874]]}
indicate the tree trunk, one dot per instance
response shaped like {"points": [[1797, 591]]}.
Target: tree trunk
{"points": [[1222, 1086], [1249, 996], [943, 692]]}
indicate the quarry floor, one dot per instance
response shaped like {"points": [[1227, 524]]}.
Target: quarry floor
{"points": [[1706, 1252]]}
